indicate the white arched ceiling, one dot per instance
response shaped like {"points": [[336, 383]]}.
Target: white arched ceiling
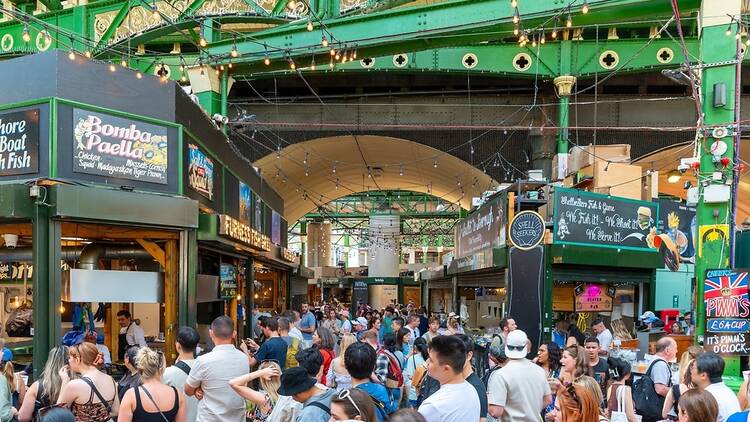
{"points": [[667, 159], [352, 155]]}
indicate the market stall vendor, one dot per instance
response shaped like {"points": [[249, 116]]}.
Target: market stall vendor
{"points": [[131, 334]]}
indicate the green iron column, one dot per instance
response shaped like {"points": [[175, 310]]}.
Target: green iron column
{"points": [[303, 243], [564, 85], [224, 100], [46, 257], [719, 73]]}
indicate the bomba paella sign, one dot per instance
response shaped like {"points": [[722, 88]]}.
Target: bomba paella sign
{"points": [[120, 148]]}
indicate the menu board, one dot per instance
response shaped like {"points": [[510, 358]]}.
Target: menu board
{"points": [[120, 148], [585, 218], [200, 172], [483, 229], [727, 305], [19, 142]]}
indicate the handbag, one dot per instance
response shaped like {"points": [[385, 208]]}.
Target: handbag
{"points": [[619, 415]]}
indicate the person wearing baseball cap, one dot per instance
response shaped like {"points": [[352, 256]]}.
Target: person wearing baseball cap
{"points": [[650, 321], [316, 402], [519, 390], [360, 326]]}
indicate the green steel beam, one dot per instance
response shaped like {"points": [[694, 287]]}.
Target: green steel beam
{"points": [[190, 10], [119, 18], [364, 215]]}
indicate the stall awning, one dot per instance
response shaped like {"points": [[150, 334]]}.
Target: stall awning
{"points": [[591, 274]]}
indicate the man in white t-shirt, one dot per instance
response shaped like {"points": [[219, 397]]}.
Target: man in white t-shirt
{"points": [[602, 334], [456, 400], [519, 390], [175, 375], [706, 374]]}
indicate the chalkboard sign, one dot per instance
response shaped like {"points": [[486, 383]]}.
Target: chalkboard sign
{"points": [[119, 148], [482, 229], [360, 293], [591, 219], [727, 344], [526, 230], [19, 142]]}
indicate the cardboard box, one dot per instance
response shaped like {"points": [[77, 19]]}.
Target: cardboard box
{"points": [[580, 157], [617, 179]]}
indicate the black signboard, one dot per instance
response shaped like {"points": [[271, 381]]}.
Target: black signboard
{"points": [[727, 344], [121, 148], [483, 229], [360, 293], [592, 219], [526, 230], [677, 220], [19, 142]]}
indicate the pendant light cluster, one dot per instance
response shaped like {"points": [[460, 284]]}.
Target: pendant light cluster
{"points": [[538, 36]]}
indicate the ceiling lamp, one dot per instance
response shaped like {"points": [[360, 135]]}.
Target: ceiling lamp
{"points": [[674, 176]]}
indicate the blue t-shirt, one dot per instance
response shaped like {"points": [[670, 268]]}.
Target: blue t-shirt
{"points": [[378, 392], [307, 321], [273, 349], [738, 417]]}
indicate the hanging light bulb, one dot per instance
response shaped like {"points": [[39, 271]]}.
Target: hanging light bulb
{"points": [[401, 170], [234, 52], [183, 78], [87, 53], [337, 55], [221, 67], [569, 22], [202, 42], [229, 65], [155, 11], [333, 51], [112, 67], [516, 16], [515, 31], [554, 34], [354, 54], [585, 8], [542, 39], [47, 37], [324, 41], [533, 41], [217, 71], [434, 164], [513, 3], [26, 36], [333, 169], [124, 63], [292, 65], [72, 55], [266, 60], [331, 65], [309, 24], [138, 75]]}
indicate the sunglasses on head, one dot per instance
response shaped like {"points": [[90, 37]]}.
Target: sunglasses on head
{"points": [[345, 395], [519, 348]]}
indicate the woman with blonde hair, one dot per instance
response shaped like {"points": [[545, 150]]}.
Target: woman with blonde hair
{"points": [[44, 391], [267, 404], [93, 396], [575, 363], [338, 377], [576, 403], [619, 330], [152, 400]]}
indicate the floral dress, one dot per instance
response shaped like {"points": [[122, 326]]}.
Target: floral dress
{"points": [[254, 413]]}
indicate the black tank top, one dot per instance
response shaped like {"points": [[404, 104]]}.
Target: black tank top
{"points": [[140, 414]]}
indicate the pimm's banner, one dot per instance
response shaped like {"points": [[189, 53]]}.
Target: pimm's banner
{"points": [[483, 229], [726, 301], [200, 172], [121, 148], [586, 218], [19, 142]]}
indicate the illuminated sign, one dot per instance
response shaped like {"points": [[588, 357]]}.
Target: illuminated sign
{"points": [[240, 232], [287, 255]]}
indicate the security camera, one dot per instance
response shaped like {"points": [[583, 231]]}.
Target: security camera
{"points": [[11, 240], [218, 118], [682, 168]]}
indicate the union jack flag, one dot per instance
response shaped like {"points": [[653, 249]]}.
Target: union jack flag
{"points": [[734, 284]]}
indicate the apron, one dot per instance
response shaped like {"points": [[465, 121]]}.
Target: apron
{"points": [[122, 343]]}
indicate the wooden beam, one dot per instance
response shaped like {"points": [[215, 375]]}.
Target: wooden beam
{"points": [[154, 250], [171, 303], [103, 231]]}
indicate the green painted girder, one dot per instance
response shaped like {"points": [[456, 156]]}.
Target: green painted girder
{"points": [[444, 215], [498, 60], [432, 26]]}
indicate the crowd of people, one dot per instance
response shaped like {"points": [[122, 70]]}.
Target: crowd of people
{"points": [[398, 364]]}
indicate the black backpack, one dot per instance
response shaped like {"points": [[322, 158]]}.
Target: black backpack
{"points": [[427, 387], [648, 403]]}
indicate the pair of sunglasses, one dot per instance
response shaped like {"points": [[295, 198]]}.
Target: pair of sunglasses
{"points": [[345, 395]]}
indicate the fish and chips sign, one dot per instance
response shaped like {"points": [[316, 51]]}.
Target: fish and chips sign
{"points": [[240, 232], [727, 304], [120, 148]]}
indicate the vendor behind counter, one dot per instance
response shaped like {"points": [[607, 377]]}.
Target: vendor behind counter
{"points": [[131, 334]]}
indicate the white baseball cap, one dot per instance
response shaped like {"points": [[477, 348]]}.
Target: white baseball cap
{"points": [[515, 344], [360, 321]]}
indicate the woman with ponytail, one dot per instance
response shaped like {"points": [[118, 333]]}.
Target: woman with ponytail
{"points": [[152, 401], [44, 391], [93, 396]]}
